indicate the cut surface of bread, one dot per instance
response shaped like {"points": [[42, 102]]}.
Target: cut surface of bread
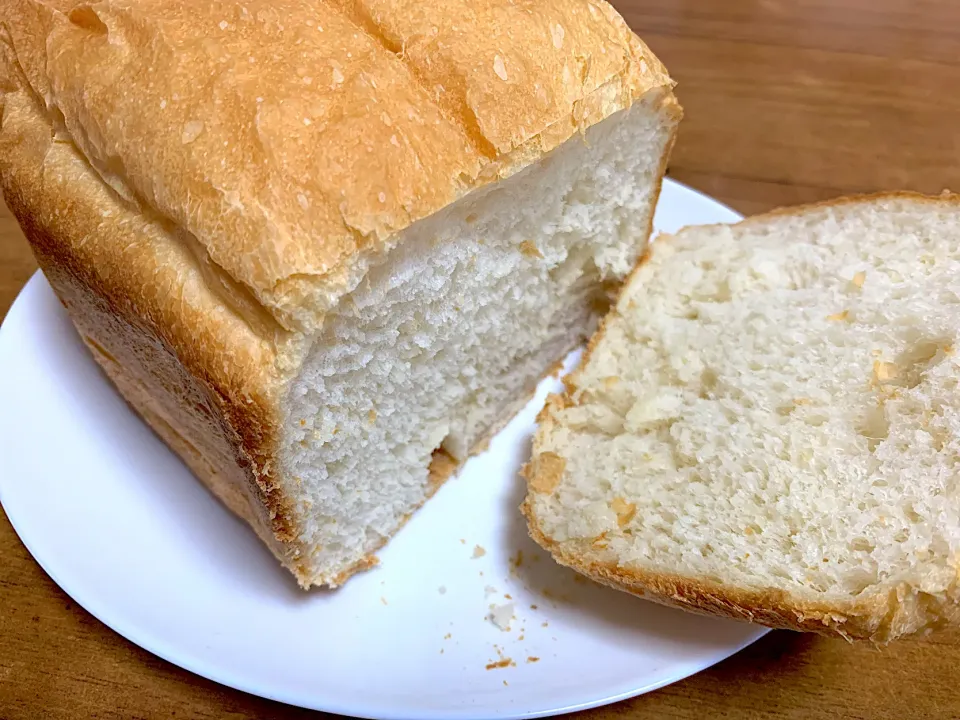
{"points": [[767, 426], [326, 248]]}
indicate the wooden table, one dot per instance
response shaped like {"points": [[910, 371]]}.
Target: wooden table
{"points": [[786, 101]]}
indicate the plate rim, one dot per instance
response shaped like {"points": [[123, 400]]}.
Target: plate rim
{"points": [[371, 710]]}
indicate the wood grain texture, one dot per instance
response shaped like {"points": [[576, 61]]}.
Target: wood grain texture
{"points": [[785, 102]]}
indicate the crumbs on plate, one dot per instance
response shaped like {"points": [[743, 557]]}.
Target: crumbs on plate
{"points": [[501, 615]]}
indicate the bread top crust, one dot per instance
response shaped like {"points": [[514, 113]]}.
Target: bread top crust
{"points": [[150, 285], [289, 141]]}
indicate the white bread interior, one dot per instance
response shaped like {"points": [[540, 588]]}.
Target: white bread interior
{"points": [[768, 425], [446, 339]]}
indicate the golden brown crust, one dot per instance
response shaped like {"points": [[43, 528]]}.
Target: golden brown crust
{"points": [[202, 379], [289, 140], [879, 617], [442, 467]]}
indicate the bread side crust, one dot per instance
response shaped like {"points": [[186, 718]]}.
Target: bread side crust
{"points": [[200, 377], [878, 617]]}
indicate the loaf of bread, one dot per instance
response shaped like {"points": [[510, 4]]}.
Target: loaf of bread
{"points": [[327, 247], [767, 426]]}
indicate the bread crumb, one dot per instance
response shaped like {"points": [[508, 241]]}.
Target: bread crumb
{"points": [[383, 600], [624, 510], [507, 596], [489, 590], [839, 317], [442, 589], [506, 662], [544, 624], [533, 607], [533, 659], [462, 541], [448, 636], [859, 279], [478, 552], [530, 250], [501, 615]]}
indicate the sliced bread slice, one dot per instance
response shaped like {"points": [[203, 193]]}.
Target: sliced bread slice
{"points": [[767, 426]]}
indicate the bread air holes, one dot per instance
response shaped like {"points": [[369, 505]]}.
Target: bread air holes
{"points": [[862, 544], [874, 426], [708, 384], [911, 514], [919, 357]]}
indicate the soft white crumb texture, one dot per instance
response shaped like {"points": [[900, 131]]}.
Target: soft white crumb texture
{"points": [[776, 404], [440, 343]]}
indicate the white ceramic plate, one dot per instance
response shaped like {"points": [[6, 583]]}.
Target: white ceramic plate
{"points": [[120, 524]]}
